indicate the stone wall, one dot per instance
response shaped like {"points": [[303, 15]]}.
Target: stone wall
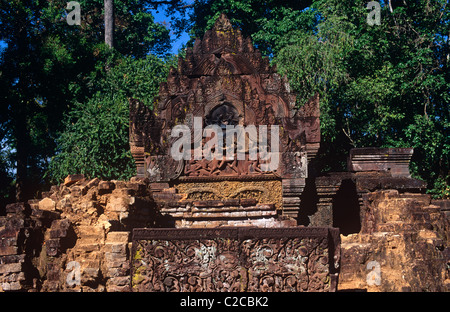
{"points": [[403, 245], [74, 239], [78, 236]]}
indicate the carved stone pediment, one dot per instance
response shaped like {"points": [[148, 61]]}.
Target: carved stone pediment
{"points": [[223, 76], [224, 81]]}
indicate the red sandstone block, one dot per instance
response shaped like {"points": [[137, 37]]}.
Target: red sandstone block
{"points": [[265, 206], [92, 183], [167, 196], [8, 241], [231, 202], [76, 191], [73, 178], [88, 247], [44, 214], [170, 190], [11, 286], [120, 184], [117, 237], [10, 268], [208, 203], [158, 186], [136, 187], [118, 248], [106, 186], [114, 260], [248, 202], [15, 208], [58, 233], [9, 231], [176, 204], [12, 259], [8, 250]]}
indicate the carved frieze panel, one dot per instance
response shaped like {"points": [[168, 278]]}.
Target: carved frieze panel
{"points": [[235, 259]]}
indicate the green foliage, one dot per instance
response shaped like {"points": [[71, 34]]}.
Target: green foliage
{"points": [[135, 32], [265, 21], [93, 143], [48, 65], [314, 62], [95, 139], [385, 85], [431, 142]]}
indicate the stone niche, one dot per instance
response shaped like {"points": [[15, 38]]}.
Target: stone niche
{"points": [[223, 81]]}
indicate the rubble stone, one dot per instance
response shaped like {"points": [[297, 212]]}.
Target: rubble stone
{"points": [[47, 204], [73, 178]]}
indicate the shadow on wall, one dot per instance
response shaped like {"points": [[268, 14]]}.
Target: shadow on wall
{"points": [[346, 210], [345, 207], [308, 202]]}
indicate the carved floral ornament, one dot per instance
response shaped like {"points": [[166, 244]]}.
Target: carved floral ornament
{"points": [[234, 259]]}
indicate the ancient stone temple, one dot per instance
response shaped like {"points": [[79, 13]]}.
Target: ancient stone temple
{"points": [[225, 199], [232, 196], [224, 82]]}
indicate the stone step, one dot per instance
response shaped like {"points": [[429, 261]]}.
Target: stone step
{"points": [[223, 215], [262, 223], [258, 207]]}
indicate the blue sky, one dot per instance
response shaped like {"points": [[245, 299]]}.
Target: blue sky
{"points": [[161, 17]]}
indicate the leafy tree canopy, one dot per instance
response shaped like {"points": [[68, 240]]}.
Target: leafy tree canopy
{"points": [[95, 139], [63, 93], [47, 65], [384, 85]]}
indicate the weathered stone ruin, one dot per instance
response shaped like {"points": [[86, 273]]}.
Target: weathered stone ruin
{"points": [[224, 81], [230, 224]]}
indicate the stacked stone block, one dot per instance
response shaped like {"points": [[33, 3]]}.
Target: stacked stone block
{"points": [[12, 257], [182, 213], [403, 245], [75, 238], [116, 261]]}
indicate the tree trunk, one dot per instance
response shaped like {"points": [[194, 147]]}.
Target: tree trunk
{"points": [[20, 111], [109, 23]]}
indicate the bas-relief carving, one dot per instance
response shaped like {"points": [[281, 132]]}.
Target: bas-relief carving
{"points": [[204, 260], [224, 81]]}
